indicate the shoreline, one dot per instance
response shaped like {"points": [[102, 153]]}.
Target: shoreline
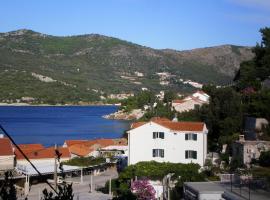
{"points": [[56, 105]]}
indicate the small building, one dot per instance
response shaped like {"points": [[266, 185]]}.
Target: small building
{"points": [[87, 148], [114, 150], [202, 191], [163, 140], [246, 150], [7, 156], [197, 99], [253, 127]]}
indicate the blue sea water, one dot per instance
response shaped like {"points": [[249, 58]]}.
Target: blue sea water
{"points": [[51, 125]]}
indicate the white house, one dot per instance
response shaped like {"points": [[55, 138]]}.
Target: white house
{"points": [[190, 102], [163, 140]]}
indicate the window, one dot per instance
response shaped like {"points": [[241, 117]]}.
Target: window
{"points": [[158, 153], [191, 154], [191, 136], [158, 135]]}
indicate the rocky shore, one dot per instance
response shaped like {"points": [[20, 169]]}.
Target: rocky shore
{"points": [[121, 115]]}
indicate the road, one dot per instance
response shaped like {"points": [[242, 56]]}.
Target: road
{"points": [[80, 190]]}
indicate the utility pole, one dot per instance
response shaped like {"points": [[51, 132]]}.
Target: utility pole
{"points": [[110, 187], [55, 169]]}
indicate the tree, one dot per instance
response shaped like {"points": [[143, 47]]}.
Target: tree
{"points": [[65, 192], [143, 189], [264, 159], [8, 190], [169, 96]]}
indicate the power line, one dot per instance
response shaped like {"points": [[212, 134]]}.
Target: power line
{"points": [[14, 143]]}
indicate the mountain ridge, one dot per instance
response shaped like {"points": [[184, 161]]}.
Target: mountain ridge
{"points": [[92, 65]]}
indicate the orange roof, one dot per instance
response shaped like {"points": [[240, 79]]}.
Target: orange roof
{"points": [[28, 148], [80, 149], [45, 153], [6, 148], [176, 126], [72, 142], [182, 126], [86, 147], [137, 124]]}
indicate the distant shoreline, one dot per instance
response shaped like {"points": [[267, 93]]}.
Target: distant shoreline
{"points": [[26, 104]]}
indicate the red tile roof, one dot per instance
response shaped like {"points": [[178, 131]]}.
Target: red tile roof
{"points": [[6, 148], [80, 149], [86, 147], [72, 142], [183, 126], [28, 148], [45, 153], [175, 126]]}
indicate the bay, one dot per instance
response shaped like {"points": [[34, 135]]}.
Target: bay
{"points": [[51, 125]]}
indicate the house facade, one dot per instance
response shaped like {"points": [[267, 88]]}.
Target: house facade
{"points": [[247, 150], [163, 140], [7, 156], [190, 102]]}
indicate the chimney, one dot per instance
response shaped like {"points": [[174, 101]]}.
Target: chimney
{"points": [[241, 138], [175, 119]]}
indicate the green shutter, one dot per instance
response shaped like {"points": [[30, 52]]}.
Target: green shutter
{"points": [[186, 136], [186, 154]]}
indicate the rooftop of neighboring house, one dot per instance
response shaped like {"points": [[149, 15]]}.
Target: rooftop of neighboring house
{"points": [[173, 125], [6, 148], [85, 147], [189, 98], [44, 153], [72, 142], [27, 148], [197, 97]]}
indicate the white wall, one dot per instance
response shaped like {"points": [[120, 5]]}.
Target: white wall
{"points": [[202, 97], [38, 161], [141, 144], [185, 106], [6, 162]]}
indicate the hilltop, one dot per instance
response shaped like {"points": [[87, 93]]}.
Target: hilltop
{"points": [[52, 69]]}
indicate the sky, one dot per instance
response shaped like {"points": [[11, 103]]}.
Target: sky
{"points": [[161, 24]]}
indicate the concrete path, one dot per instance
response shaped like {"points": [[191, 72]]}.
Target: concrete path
{"points": [[80, 190]]}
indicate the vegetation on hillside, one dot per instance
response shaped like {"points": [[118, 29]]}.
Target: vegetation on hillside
{"points": [[89, 66]]}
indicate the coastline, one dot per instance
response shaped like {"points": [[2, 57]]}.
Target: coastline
{"points": [[56, 105]]}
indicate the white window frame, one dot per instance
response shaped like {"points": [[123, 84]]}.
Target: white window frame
{"points": [[191, 154], [191, 136], [157, 134], [158, 153]]}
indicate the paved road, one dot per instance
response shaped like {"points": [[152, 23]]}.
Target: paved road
{"points": [[80, 190]]}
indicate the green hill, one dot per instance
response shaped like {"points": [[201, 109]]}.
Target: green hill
{"points": [[70, 69]]}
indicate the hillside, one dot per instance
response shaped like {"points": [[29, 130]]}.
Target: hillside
{"points": [[51, 69]]}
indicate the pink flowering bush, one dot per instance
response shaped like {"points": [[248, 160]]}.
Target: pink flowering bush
{"points": [[143, 190]]}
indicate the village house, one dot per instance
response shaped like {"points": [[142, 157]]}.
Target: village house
{"points": [[163, 140], [250, 145], [87, 148], [247, 150], [39, 154], [7, 156], [197, 99]]}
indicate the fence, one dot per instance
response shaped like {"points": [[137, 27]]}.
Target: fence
{"points": [[246, 187]]}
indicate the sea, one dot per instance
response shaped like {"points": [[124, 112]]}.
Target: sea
{"points": [[50, 125]]}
